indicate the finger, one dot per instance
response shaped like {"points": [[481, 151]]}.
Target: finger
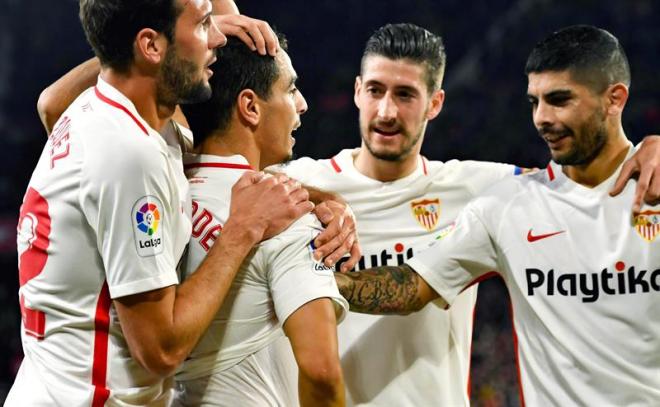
{"points": [[356, 254], [255, 32], [653, 193], [326, 243], [299, 196], [324, 213], [642, 186], [628, 170], [248, 178], [342, 250], [272, 43], [292, 185], [302, 208]]}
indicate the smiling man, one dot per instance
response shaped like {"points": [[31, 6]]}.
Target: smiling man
{"points": [[583, 274]]}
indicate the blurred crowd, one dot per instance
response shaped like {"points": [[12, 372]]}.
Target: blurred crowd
{"points": [[486, 114]]}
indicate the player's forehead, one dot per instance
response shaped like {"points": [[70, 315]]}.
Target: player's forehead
{"points": [[400, 72], [193, 10], [548, 82], [286, 74]]}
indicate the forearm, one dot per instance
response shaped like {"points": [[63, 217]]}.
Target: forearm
{"points": [[200, 296], [385, 290], [57, 97]]}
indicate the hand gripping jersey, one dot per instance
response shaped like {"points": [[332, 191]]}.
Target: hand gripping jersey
{"points": [[102, 218], [584, 280], [244, 358], [420, 359]]}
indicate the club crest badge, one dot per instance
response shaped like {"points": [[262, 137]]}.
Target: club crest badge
{"points": [[647, 225], [426, 212]]}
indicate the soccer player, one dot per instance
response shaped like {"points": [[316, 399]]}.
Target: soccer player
{"points": [[245, 359], [402, 201], [103, 223], [583, 274]]}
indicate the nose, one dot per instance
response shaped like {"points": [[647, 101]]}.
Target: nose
{"points": [[301, 103], [387, 109], [216, 38], [542, 115]]}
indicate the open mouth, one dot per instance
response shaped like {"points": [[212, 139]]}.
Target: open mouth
{"points": [[387, 133]]}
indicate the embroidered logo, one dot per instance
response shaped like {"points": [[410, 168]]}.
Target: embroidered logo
{"points": [[647, 225], [147, 222], [533, 238], [426, 212]]}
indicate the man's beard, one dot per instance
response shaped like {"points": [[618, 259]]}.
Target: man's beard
{"points": [[395, 156], [585, 150], [178, 82]]}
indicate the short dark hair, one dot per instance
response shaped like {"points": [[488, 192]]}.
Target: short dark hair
{"points": [[237, 68], [111, 26], [409, 41], [592, 55]]}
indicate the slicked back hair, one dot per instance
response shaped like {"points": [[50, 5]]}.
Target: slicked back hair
{"points": [[411, 42], [237, 68], [592, 55], [111, 26]]}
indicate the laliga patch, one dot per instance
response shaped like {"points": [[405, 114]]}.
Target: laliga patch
{"points": [[647, 225], [148, 226], [317, 266]]}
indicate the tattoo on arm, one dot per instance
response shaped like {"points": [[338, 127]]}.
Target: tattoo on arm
{"points": [[382, 290]]}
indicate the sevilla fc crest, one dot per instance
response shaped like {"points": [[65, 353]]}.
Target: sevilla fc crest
{"points": [[647, 225], [427, 212]]}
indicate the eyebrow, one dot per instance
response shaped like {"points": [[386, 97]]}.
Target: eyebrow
{"points": [[411, 89], [293, 80], [553, 94]]}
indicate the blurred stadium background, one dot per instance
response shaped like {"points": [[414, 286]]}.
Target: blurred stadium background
{"points": [[486, 114]]}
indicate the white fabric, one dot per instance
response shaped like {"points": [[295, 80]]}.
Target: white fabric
{"points": [[569, 256], [277, 278], [420, 359], [98, 170]]}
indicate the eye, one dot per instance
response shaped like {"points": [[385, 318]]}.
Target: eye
{"points": [[373, 91], [405, 95]]}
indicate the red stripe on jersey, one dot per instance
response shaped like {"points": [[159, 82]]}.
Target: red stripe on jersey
{"points": [[469, 381], [482, 278], [219, 165], [120, 107], [100, 364], [516, 352], [551, 174], [335, 165], [424, 166]]}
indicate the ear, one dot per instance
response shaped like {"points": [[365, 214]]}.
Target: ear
{"points": [[617, 96], [358, 88], [150, 46], [247, 107], [435, 104]]}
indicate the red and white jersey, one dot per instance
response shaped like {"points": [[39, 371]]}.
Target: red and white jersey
{"points": [[279, 276], [421, 359], [584, 281], [103, 217]]}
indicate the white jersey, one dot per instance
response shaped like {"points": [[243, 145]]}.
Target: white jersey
{"points": [[278, 277], [102, 218], [421, 359], [584, 283]]}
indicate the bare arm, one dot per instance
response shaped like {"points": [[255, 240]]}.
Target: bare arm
{"points": [[645, 166], [162, 326], [54, 100], [312, 330], [385, 290]]}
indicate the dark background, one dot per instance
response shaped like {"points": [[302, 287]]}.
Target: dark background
{"points": [[486, 114]]}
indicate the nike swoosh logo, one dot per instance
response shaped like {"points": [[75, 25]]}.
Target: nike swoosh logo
{"points": [[531, 238]]}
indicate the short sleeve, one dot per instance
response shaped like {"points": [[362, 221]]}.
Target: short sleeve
{"points": [[295, 278], [128, 201], [458, 259]]}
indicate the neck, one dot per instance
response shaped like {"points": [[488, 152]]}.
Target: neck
{"points": [[382, 170], [603, 166], [140, 89], [236, 140]]}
